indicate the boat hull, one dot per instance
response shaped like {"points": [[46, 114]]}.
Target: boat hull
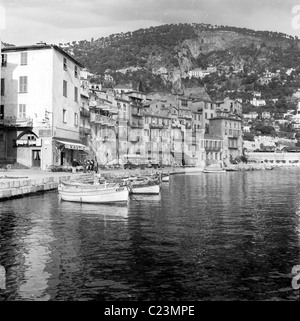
{"points": [[151, 189], [97, 196]]}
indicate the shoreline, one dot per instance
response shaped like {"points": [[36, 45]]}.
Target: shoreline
{"points": [[18, 183]]}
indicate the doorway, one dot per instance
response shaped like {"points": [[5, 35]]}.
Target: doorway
{"points": [[36, 159]]}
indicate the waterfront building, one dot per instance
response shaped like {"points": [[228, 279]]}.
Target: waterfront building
{"points": [[2, 89], [230, 129], [103, 123], [84, 119], [136, 134], [158, 131], [41, 102], [213, 149]]}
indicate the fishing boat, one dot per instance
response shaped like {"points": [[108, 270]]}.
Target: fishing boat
{"points": [[165, 178], [144, 185], [93, 193]]}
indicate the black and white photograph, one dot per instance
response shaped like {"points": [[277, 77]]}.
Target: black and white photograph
{"points": [[149, 152]]}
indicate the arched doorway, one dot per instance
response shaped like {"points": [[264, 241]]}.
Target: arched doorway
{"points": [[29, 151]]}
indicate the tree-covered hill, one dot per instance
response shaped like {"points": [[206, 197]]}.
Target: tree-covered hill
{"points": [[159, 58]]}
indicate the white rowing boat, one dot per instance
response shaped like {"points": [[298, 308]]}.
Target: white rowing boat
{"points": [[144, 185], [93, 193]]}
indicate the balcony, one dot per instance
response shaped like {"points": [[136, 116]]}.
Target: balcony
{"points": [[134, 139], [84, 112], [137, 124], [166, 139], [138, 113], [157, 126], [103, 120], [136, 103], [84, 131], [107, 108], [176, 125], [16, 122], [186, 116], [213, 148]]}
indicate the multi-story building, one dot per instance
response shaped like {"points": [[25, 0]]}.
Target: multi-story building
{"points": [[103, 123], [258, 102], [206, 110], [213, 149], [84, 119], [230, 130], [158, 131], [41, 105], [233, 106], [1, 109]]}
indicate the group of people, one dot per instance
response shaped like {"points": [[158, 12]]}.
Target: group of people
{"points": [[88, 165]]}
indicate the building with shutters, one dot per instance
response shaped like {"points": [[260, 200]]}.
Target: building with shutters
{"points": [[40, 106]]}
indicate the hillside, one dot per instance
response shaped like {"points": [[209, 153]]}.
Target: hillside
{"points": [[159, 58]]}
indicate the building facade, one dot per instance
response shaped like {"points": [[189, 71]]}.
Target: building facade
{"points": [[41, 103], [230, 130]]}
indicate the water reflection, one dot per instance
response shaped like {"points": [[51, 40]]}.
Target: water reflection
{"points": [[96, 211], [206, 237]]}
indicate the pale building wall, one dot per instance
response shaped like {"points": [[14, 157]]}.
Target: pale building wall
{"points": [[39, 81], [66, 129]]}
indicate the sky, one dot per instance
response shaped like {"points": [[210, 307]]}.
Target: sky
{"points": [[24, 22]]}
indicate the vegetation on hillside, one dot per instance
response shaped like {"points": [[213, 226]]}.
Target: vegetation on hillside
{"points": [[242, 59]]}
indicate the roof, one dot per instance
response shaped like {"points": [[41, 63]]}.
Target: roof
{"points": [[41, 47]]}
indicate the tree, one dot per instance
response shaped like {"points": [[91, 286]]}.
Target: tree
{"points": [[248, 136], [268, 130]]}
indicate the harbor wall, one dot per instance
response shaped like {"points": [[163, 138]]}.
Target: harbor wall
{"points": [[12, 186]]}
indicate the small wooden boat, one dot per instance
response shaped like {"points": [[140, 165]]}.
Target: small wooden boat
{"points": [[93, 193], [144, 185], [165, 178]]}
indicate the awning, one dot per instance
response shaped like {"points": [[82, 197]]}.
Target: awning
{"points": [[71, 145]]}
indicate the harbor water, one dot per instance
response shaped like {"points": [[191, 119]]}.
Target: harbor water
{"points": [[221, 236]]}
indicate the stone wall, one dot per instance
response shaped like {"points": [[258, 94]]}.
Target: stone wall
{"points": [[275, 158]]}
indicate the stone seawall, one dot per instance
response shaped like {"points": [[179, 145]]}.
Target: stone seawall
{"points": [[13, 187], [19, 184]]}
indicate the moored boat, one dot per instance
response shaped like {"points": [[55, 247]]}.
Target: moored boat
{"points": [[93, 193], [144, 185], [165, 178]]}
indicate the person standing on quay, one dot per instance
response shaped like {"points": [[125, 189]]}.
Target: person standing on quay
{"points": [[74, 166], [92, 165], [96, 166]]}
